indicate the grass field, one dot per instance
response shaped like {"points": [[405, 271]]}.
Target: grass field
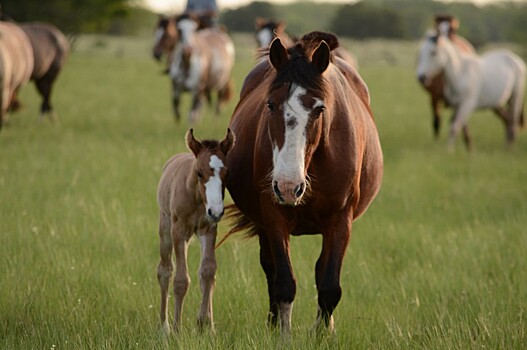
{"points": [[438, 261]]}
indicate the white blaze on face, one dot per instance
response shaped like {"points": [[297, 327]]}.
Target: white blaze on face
{"points": [[428, 59], [187, 27], [213, 188], [264, 37], [289, 161]]}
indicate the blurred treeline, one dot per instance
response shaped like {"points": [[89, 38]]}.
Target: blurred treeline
{"points": [[397, 19]]}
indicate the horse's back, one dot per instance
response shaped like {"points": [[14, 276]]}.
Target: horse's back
{"points": [[175, 173], [50, 47], [221, 51], [18, 47]]}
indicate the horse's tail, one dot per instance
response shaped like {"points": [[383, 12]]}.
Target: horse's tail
{"points": [[225, 93], [518, 96], [241, 223]]}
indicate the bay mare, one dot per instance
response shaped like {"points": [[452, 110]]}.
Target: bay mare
{"points": [[16, 65], [494, 80], [50, 50], [307, 161], [266, 30], [190, 197], [435, 86], [202, 63]]}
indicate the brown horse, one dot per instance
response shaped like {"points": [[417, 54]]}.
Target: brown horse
{"points": [[190, 197], [307, 161], [50, 50], [16, 65], [435, 87], [266, 30], [202, 62]]}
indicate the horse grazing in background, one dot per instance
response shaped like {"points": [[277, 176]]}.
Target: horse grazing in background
{"points": [[435, 86], [307, 161], [493, 80], [190, 197], [16, 65], [50, 50], [202, 62]]}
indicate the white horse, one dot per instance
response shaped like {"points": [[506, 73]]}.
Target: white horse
{"points": [[202, 62], [493, 80]]}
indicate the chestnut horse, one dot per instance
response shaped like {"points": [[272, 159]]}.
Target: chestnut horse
{"points": [[307, 161], [50, 50], [190, 197], [266, 30], [202, 62], [16, 65], [436, 85]]}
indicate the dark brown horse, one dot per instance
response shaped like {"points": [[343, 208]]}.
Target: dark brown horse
{"points": [[435, 87], [307, 161], [16, 65], [50, 50]]}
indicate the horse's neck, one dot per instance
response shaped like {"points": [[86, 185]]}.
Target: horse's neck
{"points": [[454, 67]]}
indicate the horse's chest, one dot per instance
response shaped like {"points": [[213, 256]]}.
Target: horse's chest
{"points": [[187, 75]]}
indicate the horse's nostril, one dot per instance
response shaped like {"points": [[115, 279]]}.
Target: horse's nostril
{"points": [[421, 78], [209, 212], [299, 190], [277, 191]]}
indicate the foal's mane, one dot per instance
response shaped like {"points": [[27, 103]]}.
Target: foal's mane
{"points": [[212, 145]]}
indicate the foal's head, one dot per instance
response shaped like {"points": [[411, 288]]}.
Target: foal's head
{"points": [[296, 102], [211, 171], [165, 36]]}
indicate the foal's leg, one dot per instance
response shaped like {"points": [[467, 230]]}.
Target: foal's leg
{"points": [[207, 276], [334, 242], [180, 238], [165, 268]]}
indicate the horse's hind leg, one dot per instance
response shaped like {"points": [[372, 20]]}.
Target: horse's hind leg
{"points": [[224, 95], [44, 86], [207, 276], [165, 268], [180, 238]]}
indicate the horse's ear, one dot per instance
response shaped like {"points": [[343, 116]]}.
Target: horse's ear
{"points": [[278, 54], [280, 27], [229, 141], [321, 57], [194, 145]]}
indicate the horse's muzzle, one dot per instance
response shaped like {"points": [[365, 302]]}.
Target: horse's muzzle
{"points": [[214, 217], [288, 193], [422, 79]]}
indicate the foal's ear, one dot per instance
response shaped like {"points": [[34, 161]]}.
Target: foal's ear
{"points": [[228, 142], [321, 57], [278, 54], [194, 145]]}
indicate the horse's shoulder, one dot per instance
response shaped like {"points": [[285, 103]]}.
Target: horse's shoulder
{"points": [[353, 78], [255, 77]]}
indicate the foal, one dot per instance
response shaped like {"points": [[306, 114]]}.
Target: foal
{"points": [[190, 197]]}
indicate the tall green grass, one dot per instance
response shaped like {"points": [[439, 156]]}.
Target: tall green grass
{"points": [[437, 262]]}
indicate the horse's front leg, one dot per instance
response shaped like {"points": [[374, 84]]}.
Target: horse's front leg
{"points": [[176, 93], [267, 263], [180, 239], [165, 268], [284, 284], [459, 121], [207, 277], [436, 117], [335, 239]]}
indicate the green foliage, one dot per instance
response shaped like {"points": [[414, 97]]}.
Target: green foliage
{"points": [[71, 16], [437, 262], [242, 19]]}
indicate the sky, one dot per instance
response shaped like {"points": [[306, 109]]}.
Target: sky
{"points": [[167, 6]]}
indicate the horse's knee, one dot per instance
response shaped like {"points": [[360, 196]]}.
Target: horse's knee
{"points": [[207, 270], [164, 271], [181, 285]]}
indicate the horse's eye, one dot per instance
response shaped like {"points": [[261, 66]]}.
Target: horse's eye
{"points": [[318, 111], [200, 175], [270, 105]]}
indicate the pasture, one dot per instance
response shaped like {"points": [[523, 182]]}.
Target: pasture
{"points": [[437, 262]]}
